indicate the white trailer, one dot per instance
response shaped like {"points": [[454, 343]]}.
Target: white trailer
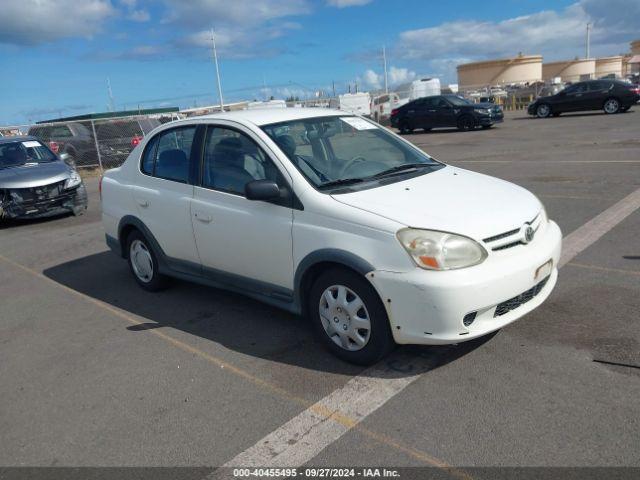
{"points": [[358, 103], [424, 87]]}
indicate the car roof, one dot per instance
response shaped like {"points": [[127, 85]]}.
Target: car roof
{"points": [[17, 138], [266, 116]]}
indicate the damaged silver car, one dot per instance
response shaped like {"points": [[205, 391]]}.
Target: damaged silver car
{"points": [[35, 182]]}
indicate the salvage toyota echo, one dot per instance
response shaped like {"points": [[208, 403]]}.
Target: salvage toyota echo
{"points": [[329, 215]]}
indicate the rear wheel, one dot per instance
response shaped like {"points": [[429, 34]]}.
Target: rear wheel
{"points": [[466, 123], [143, 263], [405, 127], [543, 110], [611, 105], [349, 317]]}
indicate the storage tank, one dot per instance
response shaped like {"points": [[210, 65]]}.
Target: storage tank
{"points": [[608, 66], [570, 70], [517, 70]]}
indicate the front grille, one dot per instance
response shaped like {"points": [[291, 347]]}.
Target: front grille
{"points": [[502, 235], [38, 194], [515, 302]]}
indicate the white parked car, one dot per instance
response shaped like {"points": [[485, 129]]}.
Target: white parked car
{"points": [[329, 215]]}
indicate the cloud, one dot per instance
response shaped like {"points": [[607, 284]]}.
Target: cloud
{"points": [[554, 34], [395, 76], [34, 22], [134, 13], [347, 3], [208, 13]]}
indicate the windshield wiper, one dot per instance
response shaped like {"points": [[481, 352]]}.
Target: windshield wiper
{"points": [[402, 168], [340, 182]]}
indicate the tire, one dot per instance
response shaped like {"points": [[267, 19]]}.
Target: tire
{"points": [[543, 110], [143, 263], [405, 127], [333, 319], [466, 123], [611, 106]]}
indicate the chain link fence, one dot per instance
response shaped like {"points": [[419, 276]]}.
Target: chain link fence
{"points": [[103, 144]]}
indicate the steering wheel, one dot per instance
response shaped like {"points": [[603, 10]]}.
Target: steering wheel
{"points": [[355, 160]]}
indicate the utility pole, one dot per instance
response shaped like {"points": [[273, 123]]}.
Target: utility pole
{"points": [[215, 60], [110, 93], [384, 61], [588, 41]]}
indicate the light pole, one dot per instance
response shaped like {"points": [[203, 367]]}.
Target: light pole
{"points": [[215, 60], [588, 46], [384, 61]]}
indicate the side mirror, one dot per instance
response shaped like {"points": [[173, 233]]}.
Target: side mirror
{"points": [[64, 157], [261, 190]]}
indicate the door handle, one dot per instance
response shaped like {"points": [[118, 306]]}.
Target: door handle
{"points": [[202, 218], [142, 202]]}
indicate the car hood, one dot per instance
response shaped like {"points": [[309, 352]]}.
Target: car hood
{"points": [[451, 200], [34, 175]]}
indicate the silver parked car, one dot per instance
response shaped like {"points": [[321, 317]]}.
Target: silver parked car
{"points": [[35, 182]]}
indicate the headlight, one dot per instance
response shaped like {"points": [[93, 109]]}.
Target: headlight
{"points": [[434, 250], [73, 181], [484, 111]]}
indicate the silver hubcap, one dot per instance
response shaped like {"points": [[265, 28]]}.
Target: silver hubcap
{"points": [[543, 111], [611, 106], [345, 318], [141, 261]]}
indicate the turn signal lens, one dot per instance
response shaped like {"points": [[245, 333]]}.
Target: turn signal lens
{"points": [[433, 250]]}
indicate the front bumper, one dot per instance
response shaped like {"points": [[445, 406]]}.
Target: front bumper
{"points": [[428, 307], [22, 206], [490, 119]]}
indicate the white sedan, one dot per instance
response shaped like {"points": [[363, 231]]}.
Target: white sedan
{"points": [[329, 215]]}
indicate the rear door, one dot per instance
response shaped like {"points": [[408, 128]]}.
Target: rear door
{"points": [[163, 195], [574, 98], [597, 93], [242, 242], [445, 112]]}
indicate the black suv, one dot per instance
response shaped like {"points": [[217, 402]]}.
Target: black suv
{"points": [[445, 111], [612, 96]]}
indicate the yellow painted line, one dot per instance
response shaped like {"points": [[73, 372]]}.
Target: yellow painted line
{"points": [[333, 415], [604, 269]]}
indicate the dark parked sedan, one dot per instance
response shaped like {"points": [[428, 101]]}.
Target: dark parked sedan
{"points": [[612, 96], [35, 183], [445, 111]]}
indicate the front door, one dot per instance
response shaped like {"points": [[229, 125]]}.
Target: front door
{"points": [[241, 242]]}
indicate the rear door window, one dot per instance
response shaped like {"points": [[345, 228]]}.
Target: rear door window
{"points": [[167, 154]]}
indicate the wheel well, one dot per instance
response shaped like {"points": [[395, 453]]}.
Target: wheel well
{"points": [[310, 276], [124, 234], [612, 97]]}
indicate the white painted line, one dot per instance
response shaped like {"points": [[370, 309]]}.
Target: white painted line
{"points": [[303, 437], [589, 233]]}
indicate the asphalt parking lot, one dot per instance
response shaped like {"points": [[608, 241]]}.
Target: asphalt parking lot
{"points": [[95, 371]]}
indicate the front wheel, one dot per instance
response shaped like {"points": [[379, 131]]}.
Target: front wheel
{"points": [[144, 263], [349, 317], [611, 105], [543, 110], [466, 124]]}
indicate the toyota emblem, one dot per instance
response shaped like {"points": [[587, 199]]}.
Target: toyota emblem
{"points": [[529, 233]]}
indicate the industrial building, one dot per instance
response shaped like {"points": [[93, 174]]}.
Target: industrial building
{"points": [[527, 69], [520, 69]]}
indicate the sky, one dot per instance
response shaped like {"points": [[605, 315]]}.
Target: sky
{"points": [[56, 55]]}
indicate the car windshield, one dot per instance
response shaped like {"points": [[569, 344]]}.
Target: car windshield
{"points": [[14, 154], [458, 101], [337, 151]]}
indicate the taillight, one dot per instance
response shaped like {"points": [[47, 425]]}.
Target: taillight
{"points": [[394, 112], [55, 148], [135, 141]]}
